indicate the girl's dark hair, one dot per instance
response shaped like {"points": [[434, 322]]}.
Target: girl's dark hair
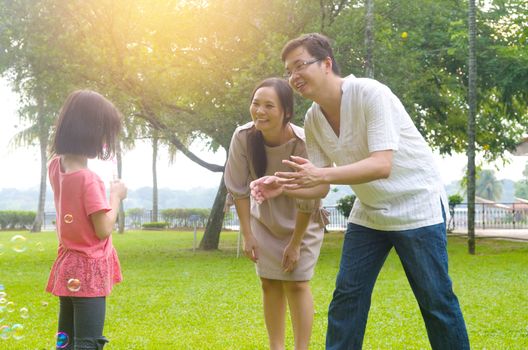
{"points": [[256, 149], [316, 44], [88, 125]]}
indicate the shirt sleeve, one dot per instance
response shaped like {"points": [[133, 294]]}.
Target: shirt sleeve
{"points": [[316, 154], [95, 196], [382, 120], [236, 175]]}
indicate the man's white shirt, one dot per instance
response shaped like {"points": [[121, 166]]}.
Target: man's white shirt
{"points": [[373, 119]]}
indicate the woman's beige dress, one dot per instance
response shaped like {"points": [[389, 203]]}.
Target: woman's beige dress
{"points": [[273, 221]]}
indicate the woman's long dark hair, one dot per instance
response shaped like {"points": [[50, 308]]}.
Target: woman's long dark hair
{"points": [[256, 149]]}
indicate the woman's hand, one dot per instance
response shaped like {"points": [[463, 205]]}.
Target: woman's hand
{"points": [[251, 247], [265, 188], [290, 257]]}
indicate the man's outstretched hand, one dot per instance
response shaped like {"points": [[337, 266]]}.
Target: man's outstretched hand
{"points": [[306, 175]]}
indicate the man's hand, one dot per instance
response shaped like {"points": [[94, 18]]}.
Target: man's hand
{"points": [[306, 174]]}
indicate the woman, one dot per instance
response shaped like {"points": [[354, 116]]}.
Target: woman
{"points": [[283, 235]]}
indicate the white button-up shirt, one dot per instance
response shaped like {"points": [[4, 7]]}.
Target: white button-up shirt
{"points": [[373, 119]]}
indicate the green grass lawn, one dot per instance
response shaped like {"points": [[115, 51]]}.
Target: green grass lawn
{"points": [[172, 298]]}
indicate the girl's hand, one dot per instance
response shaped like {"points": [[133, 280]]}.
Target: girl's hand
{"points": [[290, 257], [251, 248], [118, 189]]}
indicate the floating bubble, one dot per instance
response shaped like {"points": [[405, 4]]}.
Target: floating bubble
{"points": [[18, 243], [10, 306], [74, 285], [39, 246], [3, 303], [24, 312], [17, 331], [62, 340], [44, 303], [5, 332], [68, 218]]}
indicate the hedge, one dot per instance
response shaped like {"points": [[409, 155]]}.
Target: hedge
{"points": [[16, 219]]}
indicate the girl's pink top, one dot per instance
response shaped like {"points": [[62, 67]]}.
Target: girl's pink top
{"points": [[89, 263]]}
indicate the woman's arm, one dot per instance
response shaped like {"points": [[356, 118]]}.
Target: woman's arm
{"points": [[243, 209], [292, 251]]}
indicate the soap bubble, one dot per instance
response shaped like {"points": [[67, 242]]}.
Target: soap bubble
{"points": [[68, 218], [74, 285], [24, 312], [39, 246], [17, 331], [62, 340], [18, 243], [10, 306], [5, 332]]}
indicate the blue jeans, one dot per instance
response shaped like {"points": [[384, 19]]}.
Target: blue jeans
{"points": [[423, 254]]}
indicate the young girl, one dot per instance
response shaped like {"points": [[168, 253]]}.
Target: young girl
{"points": [[87, 266], [283, 235]]}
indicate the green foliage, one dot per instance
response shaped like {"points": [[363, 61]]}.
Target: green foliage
{"points": [[521, 189], [431, 73], [16, 219], [487, 186], [344, 205], [212, 300], [155, 225], [454, 200]]}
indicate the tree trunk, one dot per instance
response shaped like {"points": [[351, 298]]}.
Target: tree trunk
{"points": [[154, 176], [369, 38], [121, 217], [472, 101], [43, 143], [211, 237]]}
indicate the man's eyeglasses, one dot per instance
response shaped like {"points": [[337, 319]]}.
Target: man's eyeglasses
{"points": [[299, 66]]}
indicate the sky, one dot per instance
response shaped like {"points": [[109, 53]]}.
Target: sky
{"points": [[20, 168]]}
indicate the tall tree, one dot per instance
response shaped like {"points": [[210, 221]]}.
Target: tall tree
{"points": [[487, 186], [38, 132], [521, 186], [119, 164], [369, 38], [36, 74], [472, 101], [155, 141]]}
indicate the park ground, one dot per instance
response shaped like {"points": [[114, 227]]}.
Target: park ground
{"points": [[174, 298]]}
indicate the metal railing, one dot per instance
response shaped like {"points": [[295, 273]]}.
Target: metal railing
{"points": [[487, 216], [492, 216]]}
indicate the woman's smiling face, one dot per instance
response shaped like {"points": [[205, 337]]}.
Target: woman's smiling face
{"points": [[266, 110]]}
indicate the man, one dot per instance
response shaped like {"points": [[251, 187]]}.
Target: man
{"points": [[362, 128]]}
